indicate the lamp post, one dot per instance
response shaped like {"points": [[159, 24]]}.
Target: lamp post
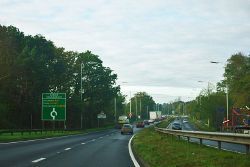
{"points": [[217, 62], [82, 66], [115, 109], [130, 101]]}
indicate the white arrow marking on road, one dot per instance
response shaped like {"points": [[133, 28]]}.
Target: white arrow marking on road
{"points": [[37, 160], [53, 114]]}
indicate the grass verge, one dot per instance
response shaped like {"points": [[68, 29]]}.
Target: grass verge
{"points": [[159, 150], [7, 137]]}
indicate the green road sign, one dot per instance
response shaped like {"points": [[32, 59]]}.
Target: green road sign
{"points": [[54, 106]]}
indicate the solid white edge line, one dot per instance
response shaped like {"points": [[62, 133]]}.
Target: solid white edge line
{"points": [[49, 138], [66, 149], [136, 164], [37, 160]]}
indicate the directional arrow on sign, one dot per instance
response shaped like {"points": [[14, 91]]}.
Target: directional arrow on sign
{"points": [[53, 114]]}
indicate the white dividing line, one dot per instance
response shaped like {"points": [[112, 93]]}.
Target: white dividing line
{"points": [[83, 143], [66, 149], [131, 153], [37, 160], [93, 139], [100, 137]]}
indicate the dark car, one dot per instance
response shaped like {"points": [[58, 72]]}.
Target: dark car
{"points": [[176, 126], [146, 122], [140, 124]]}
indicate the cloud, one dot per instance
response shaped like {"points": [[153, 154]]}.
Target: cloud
{"points": [[164, 44]]}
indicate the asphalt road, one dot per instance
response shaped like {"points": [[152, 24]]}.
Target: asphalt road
{"points": [[106, 149], [224, 145]]}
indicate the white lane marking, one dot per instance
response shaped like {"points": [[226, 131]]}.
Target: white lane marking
{"points": [[83, 143], [131, 153], [66, 149], [93, 139], [58, 152], [101, 137], [37, 160]]}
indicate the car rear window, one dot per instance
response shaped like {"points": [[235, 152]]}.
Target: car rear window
{"points": [[126, 126]]}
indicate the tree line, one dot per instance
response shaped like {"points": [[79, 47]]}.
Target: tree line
{"points": [[211, 105], [32, 65]]}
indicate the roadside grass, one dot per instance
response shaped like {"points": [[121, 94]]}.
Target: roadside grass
{"points": [[160, 150], [201, 126], [18, 136]]}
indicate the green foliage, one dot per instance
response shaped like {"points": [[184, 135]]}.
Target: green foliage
{"points": [[210, 105], [32, 65], [142, 103]]}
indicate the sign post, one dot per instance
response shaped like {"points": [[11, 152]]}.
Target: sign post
{"points": [[54, 106], [101, 116]]}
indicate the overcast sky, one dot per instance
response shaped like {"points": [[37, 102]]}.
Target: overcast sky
{"points": [[162, 47]]}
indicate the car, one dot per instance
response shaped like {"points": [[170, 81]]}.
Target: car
{"points": [[146, 122], [140, 124], [151, 121], [176, 126], [185, 121], [127, 129]]}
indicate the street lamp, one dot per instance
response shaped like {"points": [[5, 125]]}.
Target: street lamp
{"points": [[130, 106], [81, 90], [217, 62]]}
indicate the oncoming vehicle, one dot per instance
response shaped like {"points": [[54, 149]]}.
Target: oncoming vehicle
{"points": [[176, 126], [127, 129], [140, 124], [151, 121], [146, 122]]}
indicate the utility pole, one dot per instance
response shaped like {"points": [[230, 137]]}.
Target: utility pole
{"points": [[227, 101], [82, 66], [136, 107], [140, 108], [115, 109], [130, 105], [147, 112]]}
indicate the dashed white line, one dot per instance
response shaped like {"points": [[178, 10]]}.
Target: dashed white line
{"points": [[83, 143], [101, 137], [93, 139], [37, 160], [66, 149]]}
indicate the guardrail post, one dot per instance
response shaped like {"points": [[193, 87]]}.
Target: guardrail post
{"points": [[200, 141], [219, 145], [247, 149], [188, 138]]}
